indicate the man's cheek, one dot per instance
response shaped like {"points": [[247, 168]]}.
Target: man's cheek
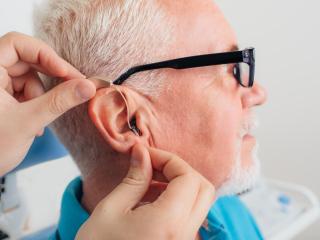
{"points": [[217, 169]]}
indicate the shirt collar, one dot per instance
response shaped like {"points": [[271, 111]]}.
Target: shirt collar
{"points": [[73, 215]]}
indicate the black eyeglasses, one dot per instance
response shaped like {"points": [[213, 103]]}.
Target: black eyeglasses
{"points": [[243, 69]]}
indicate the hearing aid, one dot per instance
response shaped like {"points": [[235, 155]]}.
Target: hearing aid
{"points": [[103, 82], [133, 127]]}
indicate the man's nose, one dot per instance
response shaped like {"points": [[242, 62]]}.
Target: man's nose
{"points": [[254, 96]]}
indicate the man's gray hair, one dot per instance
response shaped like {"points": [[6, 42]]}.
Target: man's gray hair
{"points": [[104, 38]]}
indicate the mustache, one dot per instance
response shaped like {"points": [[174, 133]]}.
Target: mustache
{"points": [[248, 125]]}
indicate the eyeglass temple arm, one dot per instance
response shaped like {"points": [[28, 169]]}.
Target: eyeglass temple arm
{"points": [[184, 63]]}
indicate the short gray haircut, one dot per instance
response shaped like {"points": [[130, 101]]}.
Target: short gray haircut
{"points": [[104, 38]]}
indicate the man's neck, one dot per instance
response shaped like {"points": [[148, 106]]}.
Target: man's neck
{"points": [[99, 183]]}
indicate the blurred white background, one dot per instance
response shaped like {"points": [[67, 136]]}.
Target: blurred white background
{"points": [[286, 36]]}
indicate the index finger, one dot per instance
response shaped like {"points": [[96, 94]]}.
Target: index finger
{"points": [[169, 164], [15, 47], [184, 183]]}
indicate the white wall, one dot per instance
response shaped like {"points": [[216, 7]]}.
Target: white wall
{"points": [[286, 36], [16, 15]]}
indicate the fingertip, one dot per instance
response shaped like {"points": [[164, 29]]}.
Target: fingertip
{"points": [[85, 90], [71, 71], [136, 149], [159, 157], [139, 152], [64, 70], [140, 158]]}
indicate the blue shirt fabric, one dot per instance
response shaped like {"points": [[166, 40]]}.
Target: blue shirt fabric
{"points": [[228, 219]]}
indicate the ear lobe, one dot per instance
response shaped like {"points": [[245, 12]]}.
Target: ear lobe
{"points": [[108, 111]]}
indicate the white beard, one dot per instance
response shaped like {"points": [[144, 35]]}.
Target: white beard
{"points": [[241, 180]]}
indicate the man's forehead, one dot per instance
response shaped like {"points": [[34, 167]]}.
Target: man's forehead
{"points": [[201, 28]]}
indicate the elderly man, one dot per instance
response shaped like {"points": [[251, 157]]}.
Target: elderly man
{"points": [[197, 107]]}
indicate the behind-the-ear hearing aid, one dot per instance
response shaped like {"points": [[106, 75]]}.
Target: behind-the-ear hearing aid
{"points": [[102, 82]]}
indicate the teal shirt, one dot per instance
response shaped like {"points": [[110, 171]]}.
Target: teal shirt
{"points": [[228, 219]]}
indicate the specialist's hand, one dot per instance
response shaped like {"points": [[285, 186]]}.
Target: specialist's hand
{"points": [[24, 108], [178, 213]]}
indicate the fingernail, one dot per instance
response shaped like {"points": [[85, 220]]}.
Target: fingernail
{"points": [[84, 91]]}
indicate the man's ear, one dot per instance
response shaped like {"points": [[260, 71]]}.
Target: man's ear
{"points": [[111, 109]]}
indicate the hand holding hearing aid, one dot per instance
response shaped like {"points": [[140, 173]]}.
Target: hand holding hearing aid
{"points": [[25, 109], [177, 213]]}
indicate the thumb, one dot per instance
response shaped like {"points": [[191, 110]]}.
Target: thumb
{"points": [[135, 185], [57, 101]]}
